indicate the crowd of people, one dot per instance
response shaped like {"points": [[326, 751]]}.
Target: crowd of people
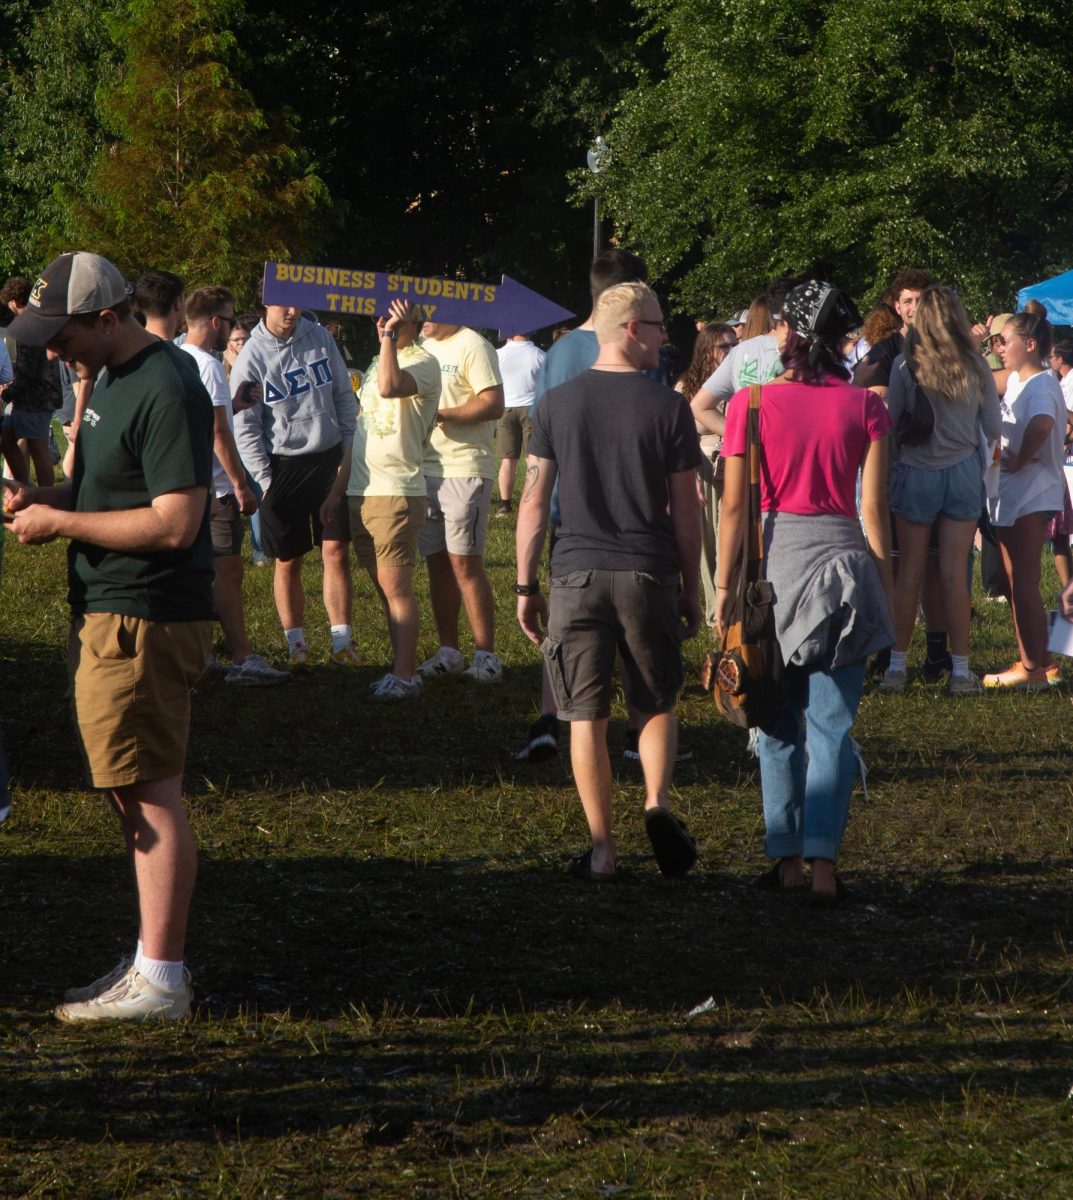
{"points": [[889, 445]]}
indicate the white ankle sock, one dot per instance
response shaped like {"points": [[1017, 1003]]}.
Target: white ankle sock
{"points": [[898, 659], [342, 636], [295, 637], [960, 667], [157, 970]]}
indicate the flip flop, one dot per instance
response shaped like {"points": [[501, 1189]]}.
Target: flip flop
{"points": [[771, 881], [674, 848], [581, 868], [840, 896]]}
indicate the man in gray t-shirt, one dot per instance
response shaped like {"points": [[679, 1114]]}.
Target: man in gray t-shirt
{"points": [[625, 566]]}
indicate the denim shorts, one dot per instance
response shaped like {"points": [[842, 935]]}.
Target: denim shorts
{"points": [[29, 425], [921, 497]]}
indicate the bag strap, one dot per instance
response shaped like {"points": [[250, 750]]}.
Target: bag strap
{"points": [[752, 546]]}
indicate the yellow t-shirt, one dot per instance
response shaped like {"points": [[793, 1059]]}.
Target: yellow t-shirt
{"points": [[468, 366], [392, 434]]}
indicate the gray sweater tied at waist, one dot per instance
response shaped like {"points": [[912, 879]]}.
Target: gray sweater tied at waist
{"points": [[828, 594]]}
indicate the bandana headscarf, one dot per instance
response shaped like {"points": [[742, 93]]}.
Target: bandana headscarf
{"points": [[821, 314]]}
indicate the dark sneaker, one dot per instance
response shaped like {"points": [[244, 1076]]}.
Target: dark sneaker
{"points": [[934, 669], [543, 740]]}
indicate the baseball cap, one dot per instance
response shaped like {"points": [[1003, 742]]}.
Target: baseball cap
{"points": [[737, 318], [998, 323], [71, 284]]}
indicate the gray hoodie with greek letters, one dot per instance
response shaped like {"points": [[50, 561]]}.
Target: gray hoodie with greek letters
{"points": [[307, 404]]}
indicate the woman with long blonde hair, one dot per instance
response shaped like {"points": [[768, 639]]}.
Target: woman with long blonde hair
{"points": [[938, 481]]}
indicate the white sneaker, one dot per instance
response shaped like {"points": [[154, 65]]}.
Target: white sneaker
{"points": [[964, 685], [298, 656], [487, 667], [132, 998], [444, 662], [254, 671], [893, 681], [103, 984], [390, 689]]}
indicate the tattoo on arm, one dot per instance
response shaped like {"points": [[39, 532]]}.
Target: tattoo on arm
{"points": [[532, 478]]}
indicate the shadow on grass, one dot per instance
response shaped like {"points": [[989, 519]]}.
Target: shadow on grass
{"points": [[318, 732], [316, 935], [413, 965]]}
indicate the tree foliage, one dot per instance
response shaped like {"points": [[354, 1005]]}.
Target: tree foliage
{"points": [[819, 135], [54, 59], [194, 176]]}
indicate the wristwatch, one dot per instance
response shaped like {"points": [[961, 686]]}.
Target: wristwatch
{"points": [[527, 589], [392, 334]]}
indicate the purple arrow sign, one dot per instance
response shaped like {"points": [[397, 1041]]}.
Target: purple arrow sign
{"points": [[509, 306]]}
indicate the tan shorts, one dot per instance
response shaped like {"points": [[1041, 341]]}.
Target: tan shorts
{"points": [[131, 682], [385, 529], [457, 516]]}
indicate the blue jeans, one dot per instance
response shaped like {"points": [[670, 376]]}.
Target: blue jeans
{"points": [[806, 807]]}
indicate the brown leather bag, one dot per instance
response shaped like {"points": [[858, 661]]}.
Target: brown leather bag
{"points": [[744, 675]]}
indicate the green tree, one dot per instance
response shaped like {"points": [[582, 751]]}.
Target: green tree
{"points": [[819, 135], [195, 177], [52, 63]]}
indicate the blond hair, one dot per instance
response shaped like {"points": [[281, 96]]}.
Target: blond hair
{"points": [[940, 349], [616, 306]]}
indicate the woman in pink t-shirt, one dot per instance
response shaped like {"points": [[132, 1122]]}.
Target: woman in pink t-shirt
{"points": [[832, 585]]}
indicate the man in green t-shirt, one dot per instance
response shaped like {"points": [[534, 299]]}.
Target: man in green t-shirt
{"points": [[140, 589]]}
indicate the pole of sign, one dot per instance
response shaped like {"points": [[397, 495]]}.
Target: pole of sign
{"points": [[597, 160]]}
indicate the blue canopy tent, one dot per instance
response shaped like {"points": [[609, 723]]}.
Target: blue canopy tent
{"points": [[1056, 294]]}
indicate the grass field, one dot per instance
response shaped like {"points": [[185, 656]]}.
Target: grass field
{"points": [[401, 994]]}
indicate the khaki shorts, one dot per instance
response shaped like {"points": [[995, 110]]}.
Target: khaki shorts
{"points": [[457, 518], [131, 682], [385, 529], [512, 432]]}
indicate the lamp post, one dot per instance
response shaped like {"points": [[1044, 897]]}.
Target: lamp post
{"points": [[597, 160]]}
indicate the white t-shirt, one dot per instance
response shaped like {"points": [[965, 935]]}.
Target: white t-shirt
{"points": [[1067, 390], [519, 364], [1040, 486], [214, 377]]}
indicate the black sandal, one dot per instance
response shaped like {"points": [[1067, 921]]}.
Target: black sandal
{"points": [[771, 881], [581, 868], [674, 848], [835, 899]]}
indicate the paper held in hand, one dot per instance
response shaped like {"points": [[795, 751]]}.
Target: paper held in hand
{"points": [[1061, 636]]}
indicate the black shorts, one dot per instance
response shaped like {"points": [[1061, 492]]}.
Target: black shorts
{"points": [[290, 510], [593, 613], [225, 525]]}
